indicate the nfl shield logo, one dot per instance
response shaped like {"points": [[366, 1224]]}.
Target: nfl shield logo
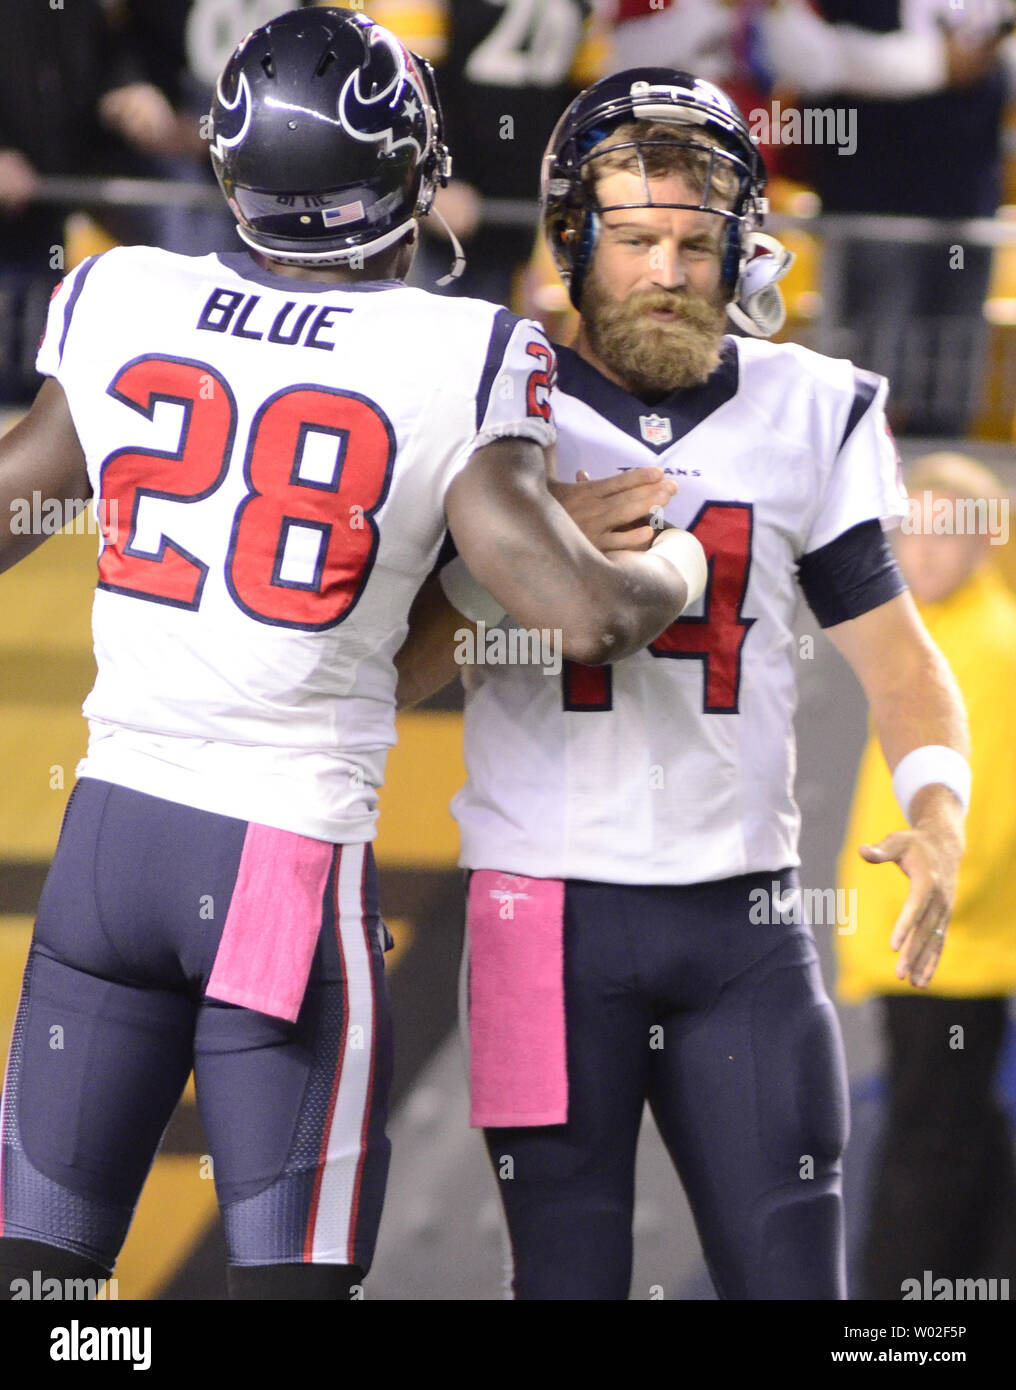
{"points": [[655, 429]]}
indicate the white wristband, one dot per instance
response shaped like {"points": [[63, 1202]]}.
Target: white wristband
{"points": [[933, 764], [685, 553], [468, 596]]}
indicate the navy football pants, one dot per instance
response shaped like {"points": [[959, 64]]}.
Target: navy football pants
{"points": [[113, 1017], [674, 996]]}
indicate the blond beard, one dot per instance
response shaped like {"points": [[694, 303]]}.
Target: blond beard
{"points": [[650, 357]]}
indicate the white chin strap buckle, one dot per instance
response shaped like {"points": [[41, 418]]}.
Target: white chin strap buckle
{"points": [[757, 307]]}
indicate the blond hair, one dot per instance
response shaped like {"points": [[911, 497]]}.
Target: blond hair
{"points": [[959, 475], [661, 159]]}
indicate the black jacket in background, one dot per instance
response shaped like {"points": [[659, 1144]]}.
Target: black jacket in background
{"points": [[54, 67], [933, 156]]}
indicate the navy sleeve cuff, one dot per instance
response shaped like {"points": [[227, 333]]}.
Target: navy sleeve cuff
{"points": [[851, 575]]}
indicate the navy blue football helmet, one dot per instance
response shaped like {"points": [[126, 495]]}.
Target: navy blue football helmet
{"points": [[327, 137], [571, 211]]}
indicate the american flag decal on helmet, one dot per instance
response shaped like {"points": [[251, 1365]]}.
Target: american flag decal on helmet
{"points": [[349, 212]]}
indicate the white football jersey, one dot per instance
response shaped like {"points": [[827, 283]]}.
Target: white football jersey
{"points": [[269, 458], [676, 765]]}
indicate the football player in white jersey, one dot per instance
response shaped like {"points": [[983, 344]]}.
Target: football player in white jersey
{"points": [[275, 441], [634, 930]]}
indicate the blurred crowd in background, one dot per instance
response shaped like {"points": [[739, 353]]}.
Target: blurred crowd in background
{"points": [[875, 108], [867, 112]]}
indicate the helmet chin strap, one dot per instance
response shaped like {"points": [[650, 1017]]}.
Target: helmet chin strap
{"points": [[459, 263], [757, 307]]}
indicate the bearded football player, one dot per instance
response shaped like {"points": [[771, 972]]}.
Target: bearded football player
{"points": [[623, 822]]}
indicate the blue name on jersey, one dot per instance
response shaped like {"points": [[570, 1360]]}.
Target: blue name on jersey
{"points": [[228, 311]]}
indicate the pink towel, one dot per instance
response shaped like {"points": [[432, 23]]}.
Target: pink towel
{"points": [[273, 922], [517, 1053]]}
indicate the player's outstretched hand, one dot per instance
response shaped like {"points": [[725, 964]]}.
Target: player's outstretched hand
{"points": [[617, 513], [929, 855]]}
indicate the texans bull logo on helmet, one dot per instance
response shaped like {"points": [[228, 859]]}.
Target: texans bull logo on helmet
{"points": [[232, 120], [369, 116]]}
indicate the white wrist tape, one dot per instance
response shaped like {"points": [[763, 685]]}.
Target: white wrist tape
{"points": [[685, 553], [933, 764], [468, 596]]}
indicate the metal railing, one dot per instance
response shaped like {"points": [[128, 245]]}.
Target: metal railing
{"points": [[930, 364], [74, 192]]}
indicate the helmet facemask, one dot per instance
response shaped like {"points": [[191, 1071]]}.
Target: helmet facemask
{"points": [[720, 180]]}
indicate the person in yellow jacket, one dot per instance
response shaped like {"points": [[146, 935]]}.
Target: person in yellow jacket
{"points": [[944, 1194]]}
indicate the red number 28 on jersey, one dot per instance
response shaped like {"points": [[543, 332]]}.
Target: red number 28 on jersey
{"points": [[334, 511]]}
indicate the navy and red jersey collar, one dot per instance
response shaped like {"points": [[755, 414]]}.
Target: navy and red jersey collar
{"points": [[684, 408], [242, 263]]}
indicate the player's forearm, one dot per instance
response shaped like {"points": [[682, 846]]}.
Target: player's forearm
{"points": [[925, 708], [921, 705], [426, 660], [912, 693], [20, 511], [649, 595], [521, 546], [40, 462], [16, 541], [604, 607]]}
